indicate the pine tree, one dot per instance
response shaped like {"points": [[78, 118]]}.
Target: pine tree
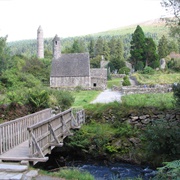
{"points": [[163, 47], [151, 55], [106, 51], [99, 46], [137, 49], [91, 48]]}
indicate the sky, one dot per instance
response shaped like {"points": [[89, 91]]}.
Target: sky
{"points": [[20, 19]]}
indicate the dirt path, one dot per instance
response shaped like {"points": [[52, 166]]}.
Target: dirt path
{"points": [[108, 96]]}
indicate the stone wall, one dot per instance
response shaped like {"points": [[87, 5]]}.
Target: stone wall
{"points": [[146, 117], [118, 75], [69, 82], [98, 78], [142, 89], [142, 121]]}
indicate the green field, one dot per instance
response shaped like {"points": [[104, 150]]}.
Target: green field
{"points": [[158, 78], [83, 98]]}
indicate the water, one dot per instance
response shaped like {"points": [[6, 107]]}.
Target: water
{"points": [[101, 170], [117, 171]]}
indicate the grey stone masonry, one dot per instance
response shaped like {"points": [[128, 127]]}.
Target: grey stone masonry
{"points": [[56, 47], [40, 43]]}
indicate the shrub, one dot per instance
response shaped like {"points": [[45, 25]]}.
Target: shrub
{"points": [[61, 99], [126, 81], [72, 174], [148, 70], [171, 170], [38, 98], [176, 93], [124, 70], [162, 140]]}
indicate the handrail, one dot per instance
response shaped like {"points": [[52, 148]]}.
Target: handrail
{"points": [[14, 132], [52, 131]]}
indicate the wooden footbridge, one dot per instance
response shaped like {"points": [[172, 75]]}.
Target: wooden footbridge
{"points": [[32, 137]]}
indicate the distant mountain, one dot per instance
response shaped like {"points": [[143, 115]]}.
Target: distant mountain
{"points": [[156, 26], [153, 28]]}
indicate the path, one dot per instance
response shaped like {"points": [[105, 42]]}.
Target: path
{"points": [[108, 96]]}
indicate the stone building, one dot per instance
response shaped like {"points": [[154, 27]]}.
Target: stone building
{"points": [[40, 43], [72, 70]]}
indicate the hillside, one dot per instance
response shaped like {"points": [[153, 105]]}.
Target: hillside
{"points": [[156, 26]]}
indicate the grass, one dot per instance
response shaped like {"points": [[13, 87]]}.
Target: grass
{"points": [[159, 100], [83, 98], [158, 78], [68, 174], [114, 82]]}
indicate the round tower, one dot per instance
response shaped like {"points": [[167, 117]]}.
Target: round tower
{"points": [[56, 47], [40, 43]]}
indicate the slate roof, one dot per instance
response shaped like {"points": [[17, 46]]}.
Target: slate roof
{"points": [[71, 65]]}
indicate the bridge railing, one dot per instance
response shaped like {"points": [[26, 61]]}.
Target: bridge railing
{"points": [[14, 132], [52, 131]]}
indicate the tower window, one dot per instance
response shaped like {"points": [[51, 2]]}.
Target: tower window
{"points": [[56, 42]]}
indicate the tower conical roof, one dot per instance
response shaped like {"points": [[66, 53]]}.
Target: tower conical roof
{"points": [[56, 38]]}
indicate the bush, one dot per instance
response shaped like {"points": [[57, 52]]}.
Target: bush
{"points": [[72, 174], [61, 99], [148, 70], [176, 93], [171, 170], [162, 140], [139, 66], [126, 81], [38, 99], [124, 70]]}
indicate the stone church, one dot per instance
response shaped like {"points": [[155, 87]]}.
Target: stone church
{"points": [[72, 70]]}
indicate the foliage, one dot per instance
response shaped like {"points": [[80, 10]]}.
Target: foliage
{"points": [[160, 101], [148, 70], [95, 62], [4, 54], [83, 98], [173, 8], [126, 81], [174, 64], [61, 99], [162, 140], [170, 170], [114, 82], [39, 68], [163, 50], [71, 174], [157, 78], [92, 138], [150, 53], [38, 98], [138, 45], [176, 93], [124, 70]]}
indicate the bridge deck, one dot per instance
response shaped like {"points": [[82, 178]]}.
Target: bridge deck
{"points": [[20, 153]]}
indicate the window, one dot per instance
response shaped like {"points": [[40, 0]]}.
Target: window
{"points": [[94, 84]]}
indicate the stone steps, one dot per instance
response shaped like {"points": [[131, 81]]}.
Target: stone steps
{"points": [[16, 172]]}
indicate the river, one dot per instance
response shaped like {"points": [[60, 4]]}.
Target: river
{"points": [[104, 170]]}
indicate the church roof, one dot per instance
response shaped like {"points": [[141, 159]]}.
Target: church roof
{"points": [[71, 65]]}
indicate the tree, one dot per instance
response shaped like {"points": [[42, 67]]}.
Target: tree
{"points": [[91, 48], [173, 8], [77, 47], [99, 46], [163, 50], [138, 45], [4, 54], [151, 55]]}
